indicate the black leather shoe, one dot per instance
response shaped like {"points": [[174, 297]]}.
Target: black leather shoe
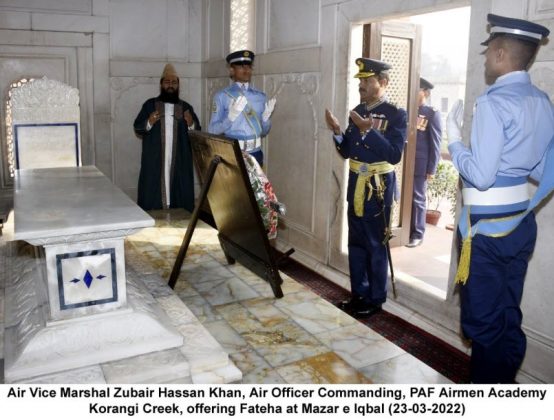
{"points": [[367, 311], [351, 304], [414, 242], [358, 308]]}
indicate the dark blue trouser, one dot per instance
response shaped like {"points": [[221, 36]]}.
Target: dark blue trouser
{"points": [[419, 206], [259, 156], [367, 256], [490, 301]]}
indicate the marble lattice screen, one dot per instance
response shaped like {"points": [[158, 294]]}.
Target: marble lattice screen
{"points": [[46, 125]]}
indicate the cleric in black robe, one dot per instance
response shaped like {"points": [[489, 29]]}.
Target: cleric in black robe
{"points": [[166, 177]]}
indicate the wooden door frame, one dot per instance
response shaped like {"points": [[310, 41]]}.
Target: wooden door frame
{"points": [[372, 41]]}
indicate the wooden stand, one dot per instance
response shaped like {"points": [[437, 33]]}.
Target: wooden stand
{"points": [[227, 188]]}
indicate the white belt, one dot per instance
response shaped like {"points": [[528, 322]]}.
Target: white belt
{"points": [[248, 145], [497, 196]]}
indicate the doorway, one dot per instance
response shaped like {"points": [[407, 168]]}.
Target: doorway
{"points": [[442, 60], [434, 45]]}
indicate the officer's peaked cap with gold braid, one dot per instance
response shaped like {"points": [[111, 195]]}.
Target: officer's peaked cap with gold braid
{"points": [[368, 67]]}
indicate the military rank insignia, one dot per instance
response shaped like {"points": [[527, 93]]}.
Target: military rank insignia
{"points": [[422, 122]]}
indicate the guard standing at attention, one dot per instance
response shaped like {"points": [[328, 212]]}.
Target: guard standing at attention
{"points": [[239, 111], [428, 152], [513, 124], [373, 142]]}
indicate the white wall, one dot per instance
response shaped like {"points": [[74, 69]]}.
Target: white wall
{"points": [[114, 51], [303, 58], [145, 35]]}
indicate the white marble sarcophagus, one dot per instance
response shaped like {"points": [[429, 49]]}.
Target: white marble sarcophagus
{"points": [[77, 309]]}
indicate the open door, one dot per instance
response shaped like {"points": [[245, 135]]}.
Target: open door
{"points": [[399, 44]]}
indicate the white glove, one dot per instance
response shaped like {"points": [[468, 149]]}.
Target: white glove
{"points": [[454, 122], [237, 107], [268, 110]]}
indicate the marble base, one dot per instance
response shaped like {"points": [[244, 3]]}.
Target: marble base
{"points": [[36, 346], [73, 295], [156, 340]]}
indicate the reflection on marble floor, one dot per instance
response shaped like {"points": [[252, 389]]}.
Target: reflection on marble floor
{"points": [[300, 338]]}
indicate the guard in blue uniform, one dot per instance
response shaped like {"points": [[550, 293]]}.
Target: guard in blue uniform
{"points": [[513, 123], [373, 142], [428, 148], [240, 111]]}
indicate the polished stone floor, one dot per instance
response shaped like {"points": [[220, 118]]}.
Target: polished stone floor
{"points": [[300, 338]]}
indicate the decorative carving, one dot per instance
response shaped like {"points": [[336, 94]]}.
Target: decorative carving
{"points": [[35, 347], [176, 310], [45, 123], [87, 375], [301, 89], [242, 19], [120, 85], [396, 51], [25, 315], [45, 100], [307, 83]]}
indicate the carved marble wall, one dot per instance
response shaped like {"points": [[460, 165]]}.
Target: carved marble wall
{"points": [[93, 42], [292, 149], [42, 39], [46, 125], [142, 40]]}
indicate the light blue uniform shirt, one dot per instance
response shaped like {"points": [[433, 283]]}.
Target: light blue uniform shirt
{"points": [[513, 123], [249, 123]]}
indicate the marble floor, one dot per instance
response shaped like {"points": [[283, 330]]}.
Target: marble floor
{"points": [[300, 338]]}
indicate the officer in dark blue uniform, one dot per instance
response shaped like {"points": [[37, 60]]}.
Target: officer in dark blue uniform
{"points": [[428, 147], [373, 142], [513, 124]]}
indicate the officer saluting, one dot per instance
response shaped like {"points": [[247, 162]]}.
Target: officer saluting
{"points": [[513, 123], [240, 111], [373, 142]]}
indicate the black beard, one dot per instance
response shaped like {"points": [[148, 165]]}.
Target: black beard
{"points": [[170, 97]]}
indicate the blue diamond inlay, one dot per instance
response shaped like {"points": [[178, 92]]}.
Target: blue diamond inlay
{"points": [[75, 280], [100, 277], [88, 279]]}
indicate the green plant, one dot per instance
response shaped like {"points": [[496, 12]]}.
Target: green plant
{"points": [[444, 185]]}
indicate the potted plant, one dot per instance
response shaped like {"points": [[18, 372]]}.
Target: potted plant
{"points": [[443, 186]]}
